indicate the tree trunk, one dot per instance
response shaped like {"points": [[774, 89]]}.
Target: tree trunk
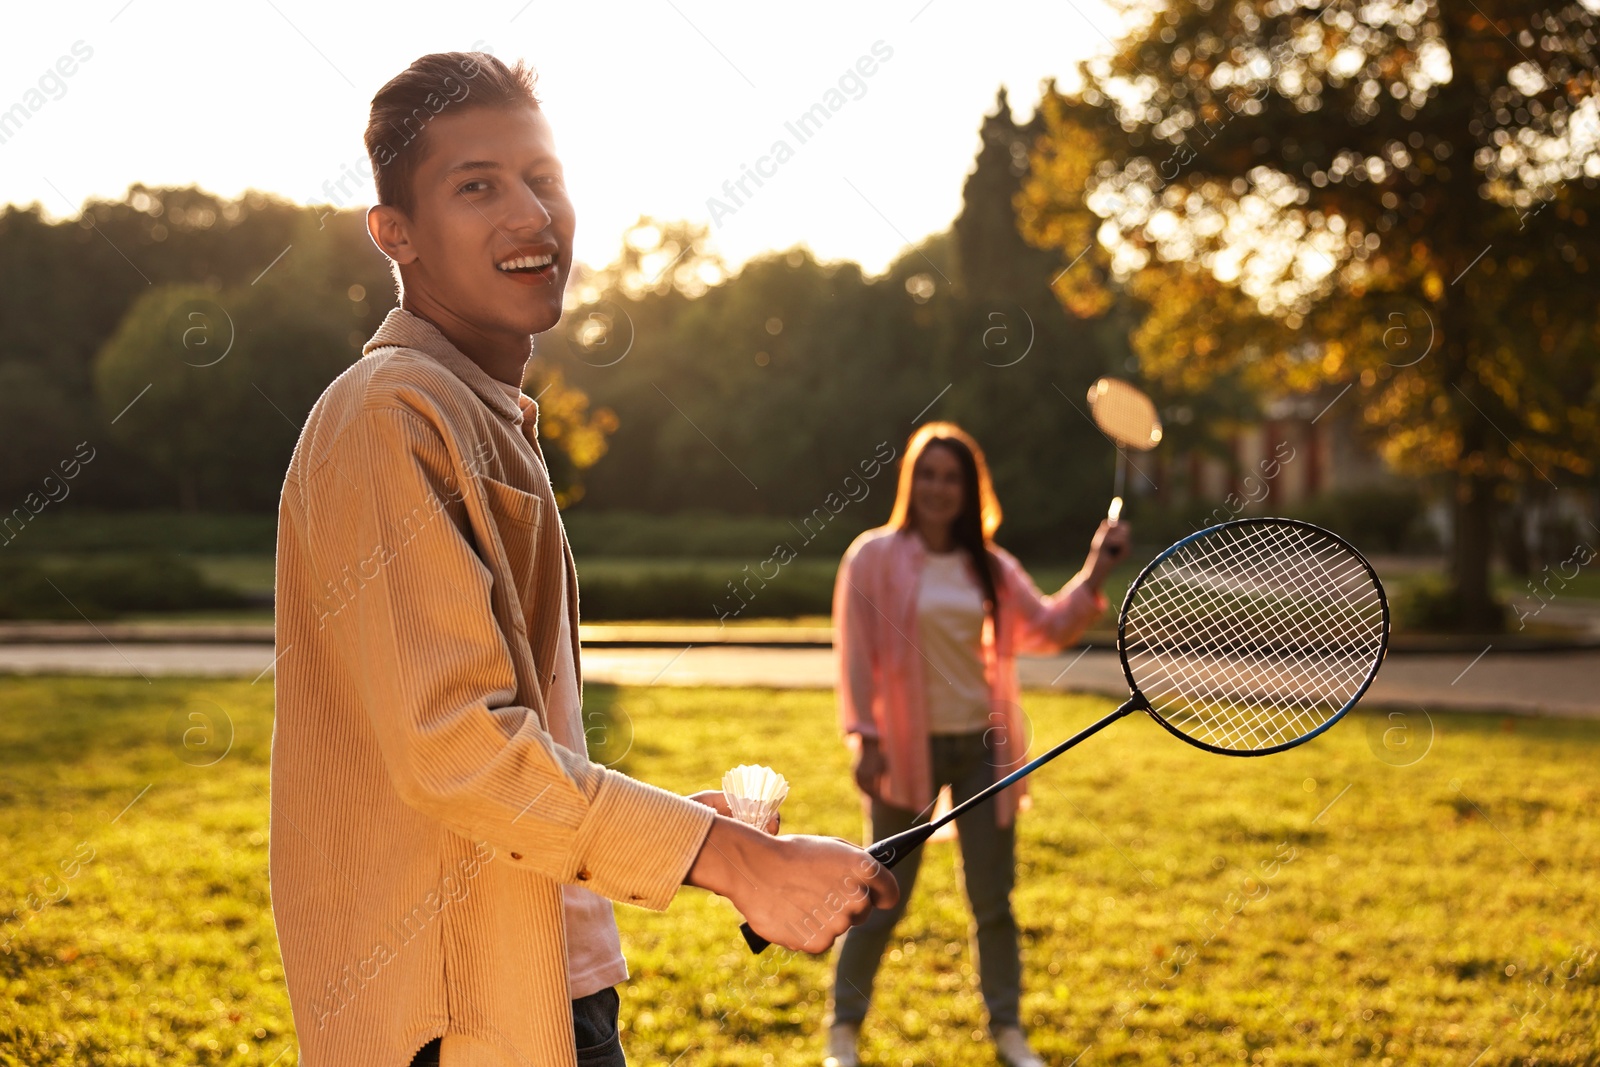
{"points": [[1515, 551], [1471, 552]]}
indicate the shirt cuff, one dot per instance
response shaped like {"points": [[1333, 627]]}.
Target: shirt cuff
{"points": [[638, 842]]}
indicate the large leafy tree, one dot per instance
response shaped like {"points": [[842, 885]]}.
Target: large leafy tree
{"points": [[1395, 196], [211, 387]]}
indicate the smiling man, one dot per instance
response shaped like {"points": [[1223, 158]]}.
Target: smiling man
{"points": [[444, 853]]}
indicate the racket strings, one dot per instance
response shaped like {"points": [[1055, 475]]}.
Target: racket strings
{"points": [[1124, 414], [1328, 679], [1254, 635], [1224, 678]]}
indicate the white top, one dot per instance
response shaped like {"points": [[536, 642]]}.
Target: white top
{"points": [[950, 629], [594, 951]]}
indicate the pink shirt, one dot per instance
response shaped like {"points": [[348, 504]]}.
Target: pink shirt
{"points": [[594, 951], [881, 666]]}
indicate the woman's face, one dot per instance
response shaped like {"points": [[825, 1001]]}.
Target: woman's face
{"points": [[936, 485]]}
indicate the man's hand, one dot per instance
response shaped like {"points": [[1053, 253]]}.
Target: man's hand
{"points": [[797, 891], [870, 766], [714, 798]]}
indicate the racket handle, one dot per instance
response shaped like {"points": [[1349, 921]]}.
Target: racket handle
{"points": [[891, 850], [757, 943], [888, 852], [1114, 514]]}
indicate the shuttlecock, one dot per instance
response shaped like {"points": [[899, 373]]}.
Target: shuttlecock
{"points": [[754, 793]]}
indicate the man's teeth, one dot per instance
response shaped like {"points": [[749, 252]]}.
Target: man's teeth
{"points": [[527, 262]]}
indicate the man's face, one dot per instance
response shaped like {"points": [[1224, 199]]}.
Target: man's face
{"points": [[491, 230]]}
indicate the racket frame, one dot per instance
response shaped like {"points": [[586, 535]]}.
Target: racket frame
{"points": [[1133, 589]]}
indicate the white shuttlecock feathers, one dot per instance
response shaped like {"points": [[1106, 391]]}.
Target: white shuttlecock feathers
{"points": [[754, 793]]}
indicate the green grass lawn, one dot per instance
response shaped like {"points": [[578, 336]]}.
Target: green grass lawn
{"points": [[1316, 907]]}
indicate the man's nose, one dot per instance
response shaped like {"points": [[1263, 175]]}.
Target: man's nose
{"points": [[528, 213]]}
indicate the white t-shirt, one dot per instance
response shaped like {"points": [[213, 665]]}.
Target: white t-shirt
{"points": [[950, 629], [594, 951]]}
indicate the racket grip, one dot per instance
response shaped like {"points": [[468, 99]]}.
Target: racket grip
{"points": [[888, 852], [757, 943]]}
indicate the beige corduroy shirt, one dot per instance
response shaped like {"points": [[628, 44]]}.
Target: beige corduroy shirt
{"points": [[425, 815]]}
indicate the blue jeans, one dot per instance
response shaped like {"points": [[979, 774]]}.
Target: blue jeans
{"points": [[966, 764], [594, 1022]]}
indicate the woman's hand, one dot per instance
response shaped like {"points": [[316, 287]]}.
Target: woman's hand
{"points": [[1108, 548], [870, 766], [714, 798]]}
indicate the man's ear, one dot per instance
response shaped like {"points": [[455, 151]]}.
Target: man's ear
{"points": [[390, 231]]}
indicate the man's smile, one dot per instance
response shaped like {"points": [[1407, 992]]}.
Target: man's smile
{"points": [[531, 267]]}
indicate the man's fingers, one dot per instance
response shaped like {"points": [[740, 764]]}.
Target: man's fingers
{"points": [[883, 890]]}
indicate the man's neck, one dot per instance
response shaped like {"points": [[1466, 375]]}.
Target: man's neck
{"points": [[502, 357]]}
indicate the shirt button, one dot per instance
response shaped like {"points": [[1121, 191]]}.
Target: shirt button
{"points": [[516, 855], [583, 874]]}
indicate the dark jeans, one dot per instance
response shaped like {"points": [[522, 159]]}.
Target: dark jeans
{"points": [[594, 1022], [966, 764]]}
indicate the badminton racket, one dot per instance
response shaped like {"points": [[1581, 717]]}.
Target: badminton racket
{"points": [[1127, 416], [1245, 638]]}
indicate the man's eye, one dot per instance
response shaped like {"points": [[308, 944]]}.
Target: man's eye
{"points": [[473, 186]]}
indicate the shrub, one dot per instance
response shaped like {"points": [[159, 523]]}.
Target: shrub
{"points": [[1375, 518], [700, 535], [149, 532], [103, 588], [1429, 604], [688, 592]]}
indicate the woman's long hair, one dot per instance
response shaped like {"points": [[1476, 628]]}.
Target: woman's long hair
{"points": [[980, 508]]}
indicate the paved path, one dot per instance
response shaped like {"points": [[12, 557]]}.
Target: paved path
{"points": [[1546, 683]]}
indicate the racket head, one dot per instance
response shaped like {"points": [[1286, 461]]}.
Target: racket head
{"points": [[1254, 635], [1124, 414]]}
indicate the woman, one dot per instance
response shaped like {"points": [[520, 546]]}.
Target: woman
{"points": [[929, 614]]}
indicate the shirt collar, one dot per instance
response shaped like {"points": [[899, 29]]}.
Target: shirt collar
{"points": [[406, 330]]}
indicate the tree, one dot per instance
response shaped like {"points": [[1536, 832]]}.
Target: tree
{"points": [[1397, 197], [149, 291], [1020, 363], [212, 386]]}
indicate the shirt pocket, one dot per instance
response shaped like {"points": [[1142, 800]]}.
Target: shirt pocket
{"points": [[518, 516]]}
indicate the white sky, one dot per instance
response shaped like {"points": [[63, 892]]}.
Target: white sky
{"points": [[654, 103]]}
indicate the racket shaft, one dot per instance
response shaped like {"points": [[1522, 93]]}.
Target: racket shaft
{"points": [[891, 850]]}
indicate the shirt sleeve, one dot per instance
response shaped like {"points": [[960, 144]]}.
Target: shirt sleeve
{"points": [[1047, 623], [855, 652], [386, 523]]}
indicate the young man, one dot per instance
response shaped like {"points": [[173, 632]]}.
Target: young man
{"points": [[444, 854]]}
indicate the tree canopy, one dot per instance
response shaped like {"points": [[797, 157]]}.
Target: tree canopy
{"points": [[1396, 197]]}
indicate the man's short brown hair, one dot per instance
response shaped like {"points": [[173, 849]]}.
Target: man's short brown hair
{"points": [[396, 135]]}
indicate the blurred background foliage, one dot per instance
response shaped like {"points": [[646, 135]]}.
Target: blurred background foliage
{"points": [[1238, 205]]}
